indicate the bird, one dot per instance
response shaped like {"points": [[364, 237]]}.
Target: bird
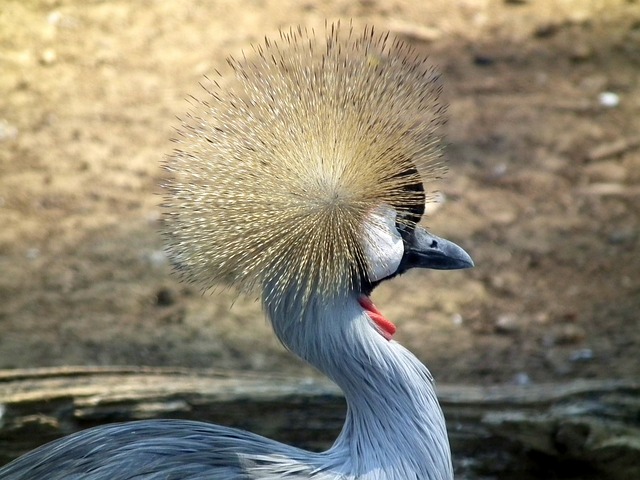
{"points": [[300, 179]]}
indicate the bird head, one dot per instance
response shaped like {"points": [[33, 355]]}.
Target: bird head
{"points": [[393, 247], [306, 177]]}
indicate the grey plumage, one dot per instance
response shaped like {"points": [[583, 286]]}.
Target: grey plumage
{"points": [[304, 184], [397, 432]]}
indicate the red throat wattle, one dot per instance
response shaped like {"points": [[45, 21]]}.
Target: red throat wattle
{"points": [[387, 328]]}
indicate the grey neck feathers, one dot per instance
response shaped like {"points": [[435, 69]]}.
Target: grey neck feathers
{"points": [[394, 427]]}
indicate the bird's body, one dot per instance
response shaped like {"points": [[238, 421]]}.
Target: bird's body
{"points": [[301, 188]]}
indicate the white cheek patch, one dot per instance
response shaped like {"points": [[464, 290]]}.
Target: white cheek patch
{"points": [[383, 246]]}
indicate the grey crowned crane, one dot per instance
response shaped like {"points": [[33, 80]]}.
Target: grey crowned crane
{"points": [[302, 182]]}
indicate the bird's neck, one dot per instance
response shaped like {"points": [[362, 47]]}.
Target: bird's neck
{"points": [[394, 427]]}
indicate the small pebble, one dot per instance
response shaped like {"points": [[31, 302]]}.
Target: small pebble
{"points": [[570, 334], [483, 60], [541, 318], [547, 30], [157, 258], [54, 18], [521, 378], [165, 297], [581, 355], [498, 171], [507, 323], [622, 236], [606, 171], [32, 253], [7, 131], [609, 99], [48, 57], [581, 53]]}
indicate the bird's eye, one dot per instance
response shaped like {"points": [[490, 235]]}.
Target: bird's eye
{"points": [[405, 229]]}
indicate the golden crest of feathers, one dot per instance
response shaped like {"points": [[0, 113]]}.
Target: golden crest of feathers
{"points": [[273, 180]]}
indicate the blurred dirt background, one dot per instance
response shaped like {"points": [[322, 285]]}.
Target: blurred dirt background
{"points": [[543, 188]]}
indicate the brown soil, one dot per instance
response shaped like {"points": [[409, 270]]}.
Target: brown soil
{"points": [[543, 188]]}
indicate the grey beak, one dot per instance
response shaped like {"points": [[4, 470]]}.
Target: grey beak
{"points": [[423, 250]]}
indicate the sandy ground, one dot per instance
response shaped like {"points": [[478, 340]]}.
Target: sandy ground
{"points": [[543, 188]]}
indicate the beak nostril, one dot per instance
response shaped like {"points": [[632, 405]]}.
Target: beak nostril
{"points": [[434, 244]]}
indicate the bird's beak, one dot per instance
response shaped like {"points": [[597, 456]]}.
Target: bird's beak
{"points": [[423, 250]]}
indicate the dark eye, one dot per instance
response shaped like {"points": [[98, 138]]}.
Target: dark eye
{"points": [[405, 229]]}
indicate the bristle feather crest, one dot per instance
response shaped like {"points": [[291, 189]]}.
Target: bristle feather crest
{"points": [[274, 180]]}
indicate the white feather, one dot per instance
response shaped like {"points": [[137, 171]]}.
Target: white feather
{"points": [[383, 246]]}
